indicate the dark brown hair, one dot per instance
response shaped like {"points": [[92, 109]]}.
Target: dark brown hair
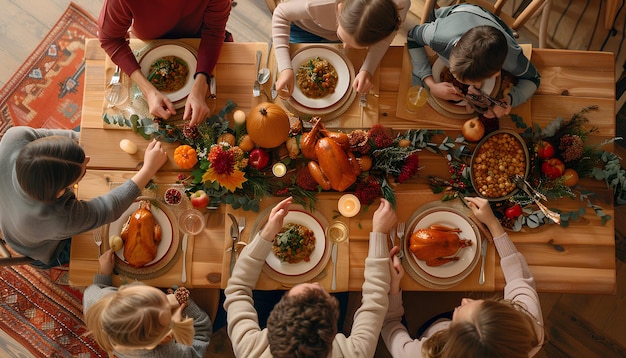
{"points": [[498, 329], [369, 21], [479, 54], [303, 325], [47, 165]]}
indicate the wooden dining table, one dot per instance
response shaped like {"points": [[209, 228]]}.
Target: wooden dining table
{"points": [[575, 259]]}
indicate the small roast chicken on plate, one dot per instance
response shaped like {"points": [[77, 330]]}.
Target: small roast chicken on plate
{"points": [[437, 245], [141, 235]]}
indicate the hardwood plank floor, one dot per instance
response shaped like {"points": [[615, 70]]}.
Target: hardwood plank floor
{"points": [[577, 325]]}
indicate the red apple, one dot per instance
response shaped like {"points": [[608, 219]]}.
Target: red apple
{"points": [[552, 168], [513, 212], [259, 158], [199, 199], [545, 150], [473, 130]]}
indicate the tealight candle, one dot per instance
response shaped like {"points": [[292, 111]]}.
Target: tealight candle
{"points": [[279, 169], [128, 146], [349, 205]]}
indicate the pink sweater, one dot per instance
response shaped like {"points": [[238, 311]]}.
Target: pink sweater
{"points": [[163, 19], [520, 287]]}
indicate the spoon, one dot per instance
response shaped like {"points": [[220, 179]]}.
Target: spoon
{"points": [[264, 73]]}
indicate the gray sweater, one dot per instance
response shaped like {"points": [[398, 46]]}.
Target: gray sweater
{"points": [[443, 33], [34, 228], [102, 285]]}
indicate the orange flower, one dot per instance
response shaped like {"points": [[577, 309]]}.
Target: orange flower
{"points": [[229, 181]]}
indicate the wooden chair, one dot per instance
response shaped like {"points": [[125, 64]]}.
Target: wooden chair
{"points": [[8, 258], [515, 21]]}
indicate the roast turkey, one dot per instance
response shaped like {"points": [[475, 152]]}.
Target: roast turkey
{"points": [[141, 235], [437, 245]]}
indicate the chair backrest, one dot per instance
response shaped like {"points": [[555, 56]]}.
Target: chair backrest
{"points": [[515, 21]]}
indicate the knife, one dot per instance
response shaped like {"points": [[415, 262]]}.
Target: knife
{"points": [[483, 255], [234, 234], [183, 276], [213, 87], [333, 257]]}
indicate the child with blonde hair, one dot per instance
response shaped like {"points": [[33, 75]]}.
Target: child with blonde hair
{"points": [[138, 320]]}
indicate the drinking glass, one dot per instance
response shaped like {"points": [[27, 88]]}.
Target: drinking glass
{"points": [[191, 222], [416, 97]]}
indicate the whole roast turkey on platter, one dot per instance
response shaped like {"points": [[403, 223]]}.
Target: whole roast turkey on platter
{"points": [[141, 235], [437, 245]]}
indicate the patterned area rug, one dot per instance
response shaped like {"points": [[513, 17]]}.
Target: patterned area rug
{"points": [[42, 313], [47, 90], [39, 311]]}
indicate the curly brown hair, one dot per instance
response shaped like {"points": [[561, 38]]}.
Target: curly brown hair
{"points": [[303, 325], [479, 54]]}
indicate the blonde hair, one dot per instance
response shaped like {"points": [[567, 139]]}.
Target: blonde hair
{"points": [[499, 329], [132, 318]]}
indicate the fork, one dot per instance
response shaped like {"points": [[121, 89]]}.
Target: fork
{"points": [[256, 90], [401, 227], [97, 238], [115, 88], [242, 224]]}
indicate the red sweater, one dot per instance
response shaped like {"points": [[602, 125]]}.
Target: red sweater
{"points": [[163, 19]]}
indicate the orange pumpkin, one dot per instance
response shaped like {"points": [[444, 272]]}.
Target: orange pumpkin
{"points": [[268, 125], [185, 156]]}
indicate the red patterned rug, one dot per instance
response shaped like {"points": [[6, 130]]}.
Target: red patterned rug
{"points": [[40, 311], [47, 90]]}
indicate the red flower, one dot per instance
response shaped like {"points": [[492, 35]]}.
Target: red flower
{"points": [[368, 190], [410, 167], [380, 136], [222, 161]]}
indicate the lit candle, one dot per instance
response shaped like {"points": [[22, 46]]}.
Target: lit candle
{"points": [[279, 169], [128, 146], [349, 205]]}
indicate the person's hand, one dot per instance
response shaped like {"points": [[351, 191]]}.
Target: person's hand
{"points": [[384, 217], [196, 108], [500, 111], [285, 83], [396, 270], [107, 262], [444, 90], [363, 82], [275, 220], [482, 210], [154, 157], [159, 105]]}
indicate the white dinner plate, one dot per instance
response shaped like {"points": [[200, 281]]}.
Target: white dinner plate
{"points": [[439, 65], [466, 255], [302, 267], [343, 77], [181, 51], [167, 231]]}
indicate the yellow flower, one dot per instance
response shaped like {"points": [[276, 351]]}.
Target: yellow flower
{"points": [[228, 181]]}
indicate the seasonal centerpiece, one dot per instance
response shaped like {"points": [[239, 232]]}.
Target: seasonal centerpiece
{"points": [[232, 163], [559, 156]]}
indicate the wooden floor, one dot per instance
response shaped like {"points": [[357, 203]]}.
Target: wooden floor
{"points": [[577, 325]]}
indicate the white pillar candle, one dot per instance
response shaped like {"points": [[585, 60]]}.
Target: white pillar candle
{"points": [[349, 205], [128, 146], [279, 169]]}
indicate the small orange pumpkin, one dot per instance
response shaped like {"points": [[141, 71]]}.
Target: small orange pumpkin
{"points": [[185, 156], [268, 125]]}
